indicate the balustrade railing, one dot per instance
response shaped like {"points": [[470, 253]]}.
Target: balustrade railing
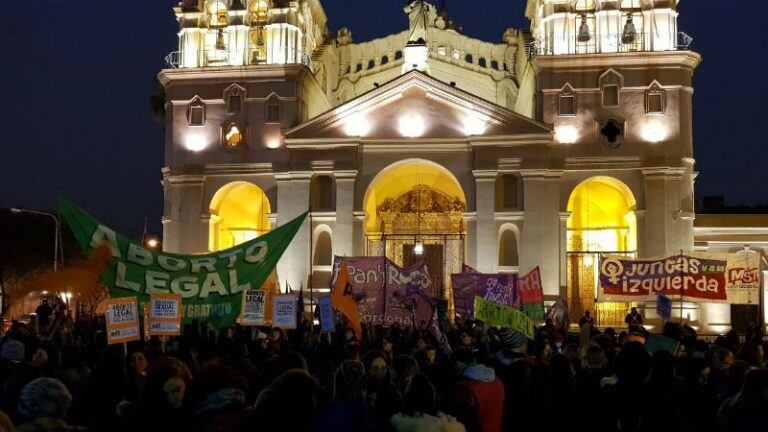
{"points": [[597, 43], [217, 57]]}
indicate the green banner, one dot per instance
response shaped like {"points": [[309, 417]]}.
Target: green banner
{"points": [[534, 311], [210, 285], [503, 316]]}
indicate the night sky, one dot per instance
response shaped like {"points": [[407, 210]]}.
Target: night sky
{"points": [[76, 77]]}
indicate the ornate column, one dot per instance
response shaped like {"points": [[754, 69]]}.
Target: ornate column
{"points": [[487, 243], [343, 233], [293, 200], [542, 229]]}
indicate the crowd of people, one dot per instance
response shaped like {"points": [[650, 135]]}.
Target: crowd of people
{"points": [[61, 375]]}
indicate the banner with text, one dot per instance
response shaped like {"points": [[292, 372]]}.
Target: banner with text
{"points": [[342, 298], [164, 314], [284, 309], [327, 321], [497, 288], [211, 285], [694, 277], [743, 277], [503, 316], [384, 291], [122, 320], [254, 308], [532, 295]]}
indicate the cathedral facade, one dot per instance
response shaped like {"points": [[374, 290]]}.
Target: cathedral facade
{"points": [[561, 143]]}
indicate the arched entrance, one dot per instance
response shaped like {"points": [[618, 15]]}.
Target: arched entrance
{"points": [[602, 221], [239, 213], [415, 211]]}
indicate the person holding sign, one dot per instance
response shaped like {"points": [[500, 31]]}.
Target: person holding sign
{"points": [[327, 321], [165, 314], [122, 320], [254, 308], [284, 312]]}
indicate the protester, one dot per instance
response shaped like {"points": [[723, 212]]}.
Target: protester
{"points": [[634, 320], [749, 408], [347, 411], [43, 406], [587, 319], [288, 403], [217, 397], [403, 368], [484, 379], [43, 313], [383, 399], [479, 394], [5, 423], [136, 375], [586, 324], [420, 410], [161, 399]]}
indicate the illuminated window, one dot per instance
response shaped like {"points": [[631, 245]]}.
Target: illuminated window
{"points": [[273, 111], [566, 103], [258, 45], [610, 95], [217, 13], [611, 83], [585, 5], [235, 100], [196, 112], [233, 136], [655, 103], [655, 100], [258, 10]]}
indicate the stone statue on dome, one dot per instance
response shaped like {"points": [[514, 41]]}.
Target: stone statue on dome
{"points": [[418, 14]]}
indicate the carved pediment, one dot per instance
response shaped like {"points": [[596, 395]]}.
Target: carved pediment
{"points": [[422, 209], [442, 110]]}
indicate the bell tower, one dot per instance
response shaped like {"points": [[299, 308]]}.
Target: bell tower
{"points": [[242, 76], [614, 78], [241, 33]]}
